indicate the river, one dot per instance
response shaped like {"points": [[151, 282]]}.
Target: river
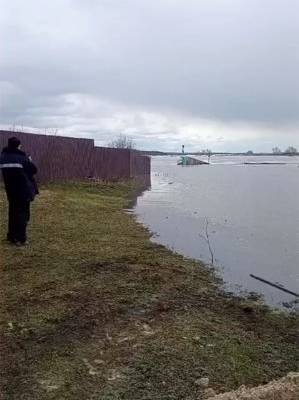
{"points": [[243, 218]]}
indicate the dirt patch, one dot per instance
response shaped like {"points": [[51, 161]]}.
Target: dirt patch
{"points": [[283, 389]]}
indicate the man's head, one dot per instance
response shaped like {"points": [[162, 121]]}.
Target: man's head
{"points": [[14, 143]]}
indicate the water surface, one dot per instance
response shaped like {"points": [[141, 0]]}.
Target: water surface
{"points": [[248, 214]]}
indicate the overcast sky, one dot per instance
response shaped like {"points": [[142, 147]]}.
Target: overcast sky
{"points": [[221, 74]]}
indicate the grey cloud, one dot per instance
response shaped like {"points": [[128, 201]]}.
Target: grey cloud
{"points": [[224, 60]]}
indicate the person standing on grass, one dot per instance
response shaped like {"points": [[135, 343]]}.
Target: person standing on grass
{"points": [[18, 173]]}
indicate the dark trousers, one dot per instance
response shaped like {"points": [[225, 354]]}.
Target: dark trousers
{"points": [[18, 218]]}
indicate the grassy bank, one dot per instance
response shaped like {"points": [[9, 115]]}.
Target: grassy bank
{"points": [[93, 310]]}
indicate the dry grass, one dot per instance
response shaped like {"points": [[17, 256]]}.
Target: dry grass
{"points": [[93, 310]]}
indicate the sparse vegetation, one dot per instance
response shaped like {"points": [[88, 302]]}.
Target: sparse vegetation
{"points": [[122, 142], [276, 150], [291, 150], [93, 310]]}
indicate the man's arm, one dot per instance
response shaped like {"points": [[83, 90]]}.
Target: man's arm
{"points": [[29, 167]]}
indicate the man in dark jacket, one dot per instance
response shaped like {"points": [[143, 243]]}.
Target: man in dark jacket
{"points": [[18, 174]]}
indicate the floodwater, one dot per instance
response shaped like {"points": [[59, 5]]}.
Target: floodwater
{"points": [[244, 218]]}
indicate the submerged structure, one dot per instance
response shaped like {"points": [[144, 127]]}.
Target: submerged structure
{"points": [[185, 160]]}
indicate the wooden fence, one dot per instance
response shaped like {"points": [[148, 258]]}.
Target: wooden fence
{"points": [[64, 158]]}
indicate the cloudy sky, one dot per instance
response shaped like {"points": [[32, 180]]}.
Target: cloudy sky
{"points": [[221, 74]]}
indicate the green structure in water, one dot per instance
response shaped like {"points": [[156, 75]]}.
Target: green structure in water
{"points": [[185, 160]]}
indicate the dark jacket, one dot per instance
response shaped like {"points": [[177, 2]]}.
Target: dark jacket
{"points": [[18, 175]]}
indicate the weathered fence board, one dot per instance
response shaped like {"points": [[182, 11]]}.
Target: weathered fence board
{"points": [[140, 168], [111, 164]]}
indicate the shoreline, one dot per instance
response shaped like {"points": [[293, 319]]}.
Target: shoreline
{"points": [[230, 288], [93, 308]]}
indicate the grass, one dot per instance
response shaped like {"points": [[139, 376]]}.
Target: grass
{"points": [[92, 309]]}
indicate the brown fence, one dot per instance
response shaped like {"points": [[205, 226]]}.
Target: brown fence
{"points": [[64, 158], [140, 168], [111, 164]]}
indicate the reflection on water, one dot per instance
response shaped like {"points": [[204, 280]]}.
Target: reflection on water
{"points": [[244, 216]]}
